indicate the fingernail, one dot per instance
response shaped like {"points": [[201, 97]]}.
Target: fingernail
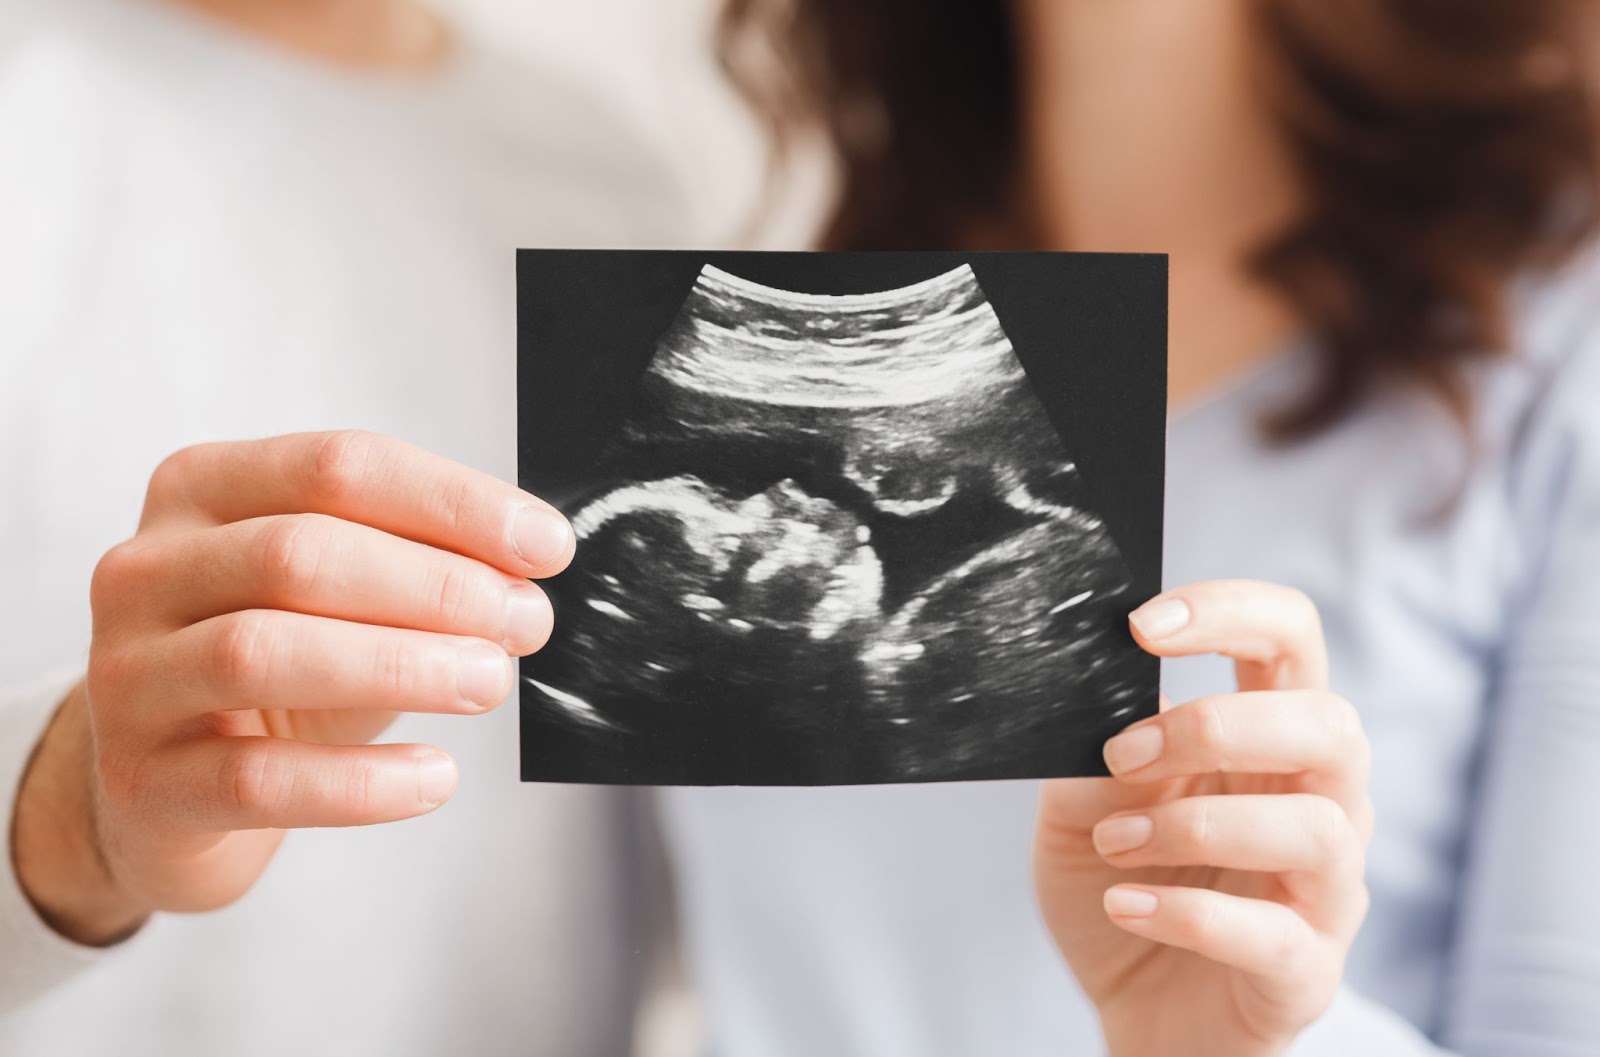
{"points": [[1123, 834], [483, 675], [1160, 617], [528, 619], [1130, 902], [541, 536], [436, 778], [1135, 748]]}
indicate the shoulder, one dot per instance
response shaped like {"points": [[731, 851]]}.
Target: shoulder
{"points": [[1541, 408], [1557, 315], [1554, 373]]}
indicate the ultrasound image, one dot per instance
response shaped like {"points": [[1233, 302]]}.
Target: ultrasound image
{"points": [[836, 540]]}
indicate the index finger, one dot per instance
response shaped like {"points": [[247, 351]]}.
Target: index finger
{"points": [[370, 479], [1272, 632]]}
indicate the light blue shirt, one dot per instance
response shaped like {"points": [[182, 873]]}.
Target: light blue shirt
{"points": [[1460, 589]]}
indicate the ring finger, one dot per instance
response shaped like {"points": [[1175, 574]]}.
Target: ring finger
{"points": [[1305, 837], [322, 566], [264, 659], [1309, 732]]}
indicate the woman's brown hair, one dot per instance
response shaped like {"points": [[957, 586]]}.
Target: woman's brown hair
{"points": [[1447, 148]]}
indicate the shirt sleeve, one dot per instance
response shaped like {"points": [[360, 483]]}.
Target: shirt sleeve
{"points": [[33, 956], [1524, 980]]}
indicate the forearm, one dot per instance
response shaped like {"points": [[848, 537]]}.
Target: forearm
{"points": [[33, 956], [56, 853]]}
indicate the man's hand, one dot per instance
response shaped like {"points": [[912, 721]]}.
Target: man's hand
{"points": [[281, 600]]}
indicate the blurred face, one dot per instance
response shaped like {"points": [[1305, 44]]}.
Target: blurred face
{"points": [[1144, 128]]}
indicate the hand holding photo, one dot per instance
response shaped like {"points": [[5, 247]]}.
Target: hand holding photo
{"points": [[842, 518]]}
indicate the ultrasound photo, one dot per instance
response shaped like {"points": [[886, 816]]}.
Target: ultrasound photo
{"points": [[841, 518]]}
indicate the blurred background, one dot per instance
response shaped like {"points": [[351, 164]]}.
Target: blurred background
{"points": [[203, 238], [654, 58]]}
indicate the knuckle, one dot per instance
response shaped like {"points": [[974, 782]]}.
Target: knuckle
{"points": [[1246, 606], [1204, 925], [242, 654], [1342, 723], [459, 596], [254, 781], [1060, 833], [1360, 904], [398, 673], [342, 458], [1301, 607], [1206, 727], [1289, 945], [361, 792], [294, 552], [458, 503], [1326, 829], [1362, 818], [171, 476], [121, 781], [120, 570], [1221, 602], [1231, 594], [1341, 720], [110, 671], [1196, 826], [111, 573]]}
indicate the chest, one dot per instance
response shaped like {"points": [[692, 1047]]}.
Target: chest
{"points": [[1409, 552]]}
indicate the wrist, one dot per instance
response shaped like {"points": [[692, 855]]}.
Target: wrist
{"points": [[1144, 1036], [54, 839], [1113, 1049]]}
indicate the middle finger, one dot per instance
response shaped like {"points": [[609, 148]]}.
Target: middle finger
{"points": [[1310, 732], [265, 659]]}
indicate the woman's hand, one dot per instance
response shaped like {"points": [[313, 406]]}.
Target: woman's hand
{"points": [[282, 600], [1206, 896]]}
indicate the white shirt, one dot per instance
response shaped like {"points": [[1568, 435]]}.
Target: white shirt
{"points": [[206, 238]]}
